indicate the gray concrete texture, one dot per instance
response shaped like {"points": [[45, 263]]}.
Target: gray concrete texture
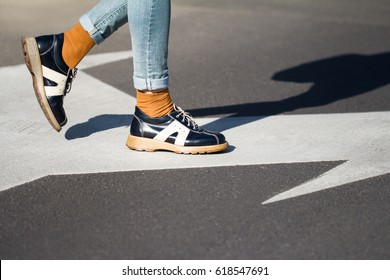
{"points": [[227, 58]]}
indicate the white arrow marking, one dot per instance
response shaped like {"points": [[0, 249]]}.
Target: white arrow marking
{"points": [[366, 145], [31, 149]]}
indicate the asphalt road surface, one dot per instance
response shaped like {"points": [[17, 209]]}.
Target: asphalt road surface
{"points": [[301, 90]]}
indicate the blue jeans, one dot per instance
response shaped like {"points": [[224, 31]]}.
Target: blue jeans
{"points": [[149, 22]]}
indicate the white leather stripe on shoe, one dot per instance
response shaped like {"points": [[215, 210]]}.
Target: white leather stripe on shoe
{"points": [[56, 77], [54, 91], [182, 133]]}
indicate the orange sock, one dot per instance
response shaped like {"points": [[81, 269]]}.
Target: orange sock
{"points": [[77, 43], [155, 105]]}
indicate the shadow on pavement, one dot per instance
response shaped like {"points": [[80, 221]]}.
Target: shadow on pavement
{"points": [[333, 79], [97, 124]]}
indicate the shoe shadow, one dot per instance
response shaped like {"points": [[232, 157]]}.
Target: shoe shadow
{"points": [[98, 124]]}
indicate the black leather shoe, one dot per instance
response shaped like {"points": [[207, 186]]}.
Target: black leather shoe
{"points": [[52, 78], [176, 132]]}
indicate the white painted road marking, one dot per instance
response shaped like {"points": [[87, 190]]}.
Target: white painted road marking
{"points": [[31, 149]]}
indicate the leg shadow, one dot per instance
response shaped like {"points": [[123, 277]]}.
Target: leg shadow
{"points": [[335, 78]]}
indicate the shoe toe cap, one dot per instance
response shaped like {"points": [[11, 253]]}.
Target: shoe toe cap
{"points": [[206, 138], [56, 106], [221, 138]]}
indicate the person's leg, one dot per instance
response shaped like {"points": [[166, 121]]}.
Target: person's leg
{"points": [[52, 59], [158, 124], [149, 23]]}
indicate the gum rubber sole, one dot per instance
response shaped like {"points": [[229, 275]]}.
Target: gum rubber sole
{"points": [[33, 63], [151, 145]]}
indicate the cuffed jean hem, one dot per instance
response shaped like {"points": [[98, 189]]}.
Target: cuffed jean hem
{"points": [[151, 84], [88, 26]]}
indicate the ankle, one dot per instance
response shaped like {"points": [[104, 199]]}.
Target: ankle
{"points": [[77, 43], [155, 104]]}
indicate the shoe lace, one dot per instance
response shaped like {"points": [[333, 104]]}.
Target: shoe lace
{"points": [[186, 117], [71, 76]]}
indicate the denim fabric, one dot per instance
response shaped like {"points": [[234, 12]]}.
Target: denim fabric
{"points": [[149, 22], [104, 19]]}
